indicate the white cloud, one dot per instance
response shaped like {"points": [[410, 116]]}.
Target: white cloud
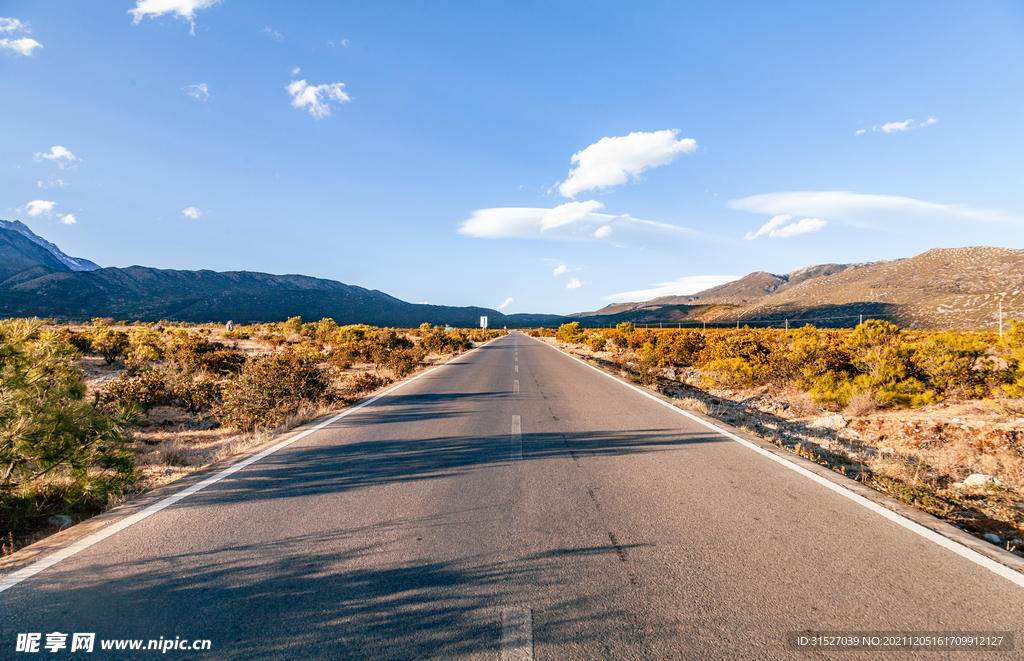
{"points": [[296, 71], [779, 227], [198, 91], [57, 154], [567, 213], [185, 9], [11, 25], [273, 34], [527, 223], [893, 127], [769, 226], [574, 284], [68, 219], [318, 97], [23, 46], [682, 287], [561, 270], [192, 213], [861, 131], [38, 207], [508, 301], [803, 226], [865, 210], [56, 182], [612, 161], [344, 42]]}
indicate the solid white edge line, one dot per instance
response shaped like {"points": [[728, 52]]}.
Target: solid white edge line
{"points": [[517, 634], [913, 526], [34, 568]]}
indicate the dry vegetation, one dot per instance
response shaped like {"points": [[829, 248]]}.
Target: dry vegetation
{"points": [[935, 420], [93, 415]]}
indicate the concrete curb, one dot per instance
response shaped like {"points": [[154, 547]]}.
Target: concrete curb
{"points": [[924, 519]]}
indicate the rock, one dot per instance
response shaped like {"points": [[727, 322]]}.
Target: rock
{"points": [[230, 325], [992, 537], [835, 421], [978, 480], [168, 471], [60, 520]]}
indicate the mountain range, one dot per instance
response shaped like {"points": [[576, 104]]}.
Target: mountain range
{"points": [[956, 288]]}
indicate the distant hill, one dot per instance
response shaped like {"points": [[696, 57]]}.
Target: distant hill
{"points": [[942, 288], [37, 279]]}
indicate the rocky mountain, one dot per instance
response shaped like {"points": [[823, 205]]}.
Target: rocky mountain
{"points": [[61, 261], [37, 280], [942, 288]]}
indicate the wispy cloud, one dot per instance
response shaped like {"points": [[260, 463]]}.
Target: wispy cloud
{"points": [[198, 91], [192, 213], [68, 219], [568, 213], [59, 155], [907, 125], [574, 284], [296, 71], [561, 270], [317, 99], [12, 25], [864, 210], [23, 46], [612, 161], [273, 34], [861, 131], [50, 184], [624, 230], [780, 227], [185, 9], [508, 301], [682, 287]]}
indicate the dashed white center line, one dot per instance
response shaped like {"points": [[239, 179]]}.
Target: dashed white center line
{"points": [[517, 634], [517, 368], [515, 386], [517, 438]]}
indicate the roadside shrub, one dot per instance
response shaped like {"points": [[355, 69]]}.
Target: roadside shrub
{"points": [[597, 343], [366, 382], [80, 341], [879, 350], [439, 341], [197, 394], [741, 357], [953, 364], [571, 333], [145, 389], [271, 388]]}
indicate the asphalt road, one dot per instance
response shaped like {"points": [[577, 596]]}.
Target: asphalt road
{"points": [[425, 526]]}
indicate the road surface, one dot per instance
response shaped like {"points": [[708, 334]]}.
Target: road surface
{"points": [[510, 503]]}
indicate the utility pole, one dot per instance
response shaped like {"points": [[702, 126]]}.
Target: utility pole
{"points": [[862, 319], [1000, 317], [787, 324]]}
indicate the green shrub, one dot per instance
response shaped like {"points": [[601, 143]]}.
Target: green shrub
{"points": [[190, 353], [571, 333], [271, 388], [597, 343], [742, 357], [109, 343], [145, 389], [197, 394], [953, 364]]}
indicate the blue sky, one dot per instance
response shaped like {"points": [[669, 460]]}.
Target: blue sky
{"points": [[563, 155]]}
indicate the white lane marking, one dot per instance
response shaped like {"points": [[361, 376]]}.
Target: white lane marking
{"points": [[31, 570], [517, 359], [517, 438], [899, 519], [517, 368], [517, 634], [515, 386]]}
